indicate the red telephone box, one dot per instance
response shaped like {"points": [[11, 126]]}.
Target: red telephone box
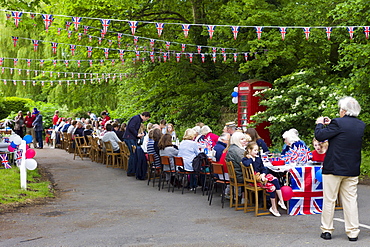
{"points": [[248, 105]]}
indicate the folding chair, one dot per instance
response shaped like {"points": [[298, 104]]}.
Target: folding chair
{"points": [[111, 155], [234, 187], [166, 160], [181, 172], [219, 170]]}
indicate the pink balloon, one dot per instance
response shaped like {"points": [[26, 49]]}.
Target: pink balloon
{"points": [[27, 146], [11, 149], [30, 153], [287, 192]]}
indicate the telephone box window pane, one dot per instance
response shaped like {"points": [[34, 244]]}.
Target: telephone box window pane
{"points": [[244, 116], [243, 103], [243, 97]]}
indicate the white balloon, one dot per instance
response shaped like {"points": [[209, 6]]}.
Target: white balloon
{"points": [[17, 140], [235, 100], [31, 164], [11, 138], [236, 89]]}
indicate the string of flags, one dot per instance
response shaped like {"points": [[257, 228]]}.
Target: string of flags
{"points": [[60, 82], [133, 25]]}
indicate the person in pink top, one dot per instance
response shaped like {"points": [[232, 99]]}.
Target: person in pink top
{"points": [[208, 135]]}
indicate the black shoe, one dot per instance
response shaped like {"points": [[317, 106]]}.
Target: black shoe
{"points": [[326, 235], [352, 239]]}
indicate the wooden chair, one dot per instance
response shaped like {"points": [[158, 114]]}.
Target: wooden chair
{"points": [[166, 160], [153, 171], [125, 154], [218, 169], [206, 175], [250, 188], [181, 174], [69, 143], [234, 187], [111, 157], [92, 153], [82, 149]]}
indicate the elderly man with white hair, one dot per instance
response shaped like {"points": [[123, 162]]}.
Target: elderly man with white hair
{"points": [[292, 140], [341, 166]]}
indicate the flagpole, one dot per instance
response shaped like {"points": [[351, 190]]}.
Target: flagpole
{"points": [[22, 168]]}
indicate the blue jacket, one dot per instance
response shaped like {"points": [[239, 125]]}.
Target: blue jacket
{"points": [[132, 128], [343, 157], [257, 164], [219, 148], [37, 123]]}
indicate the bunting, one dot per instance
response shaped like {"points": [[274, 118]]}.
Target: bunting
{"points": [[283, 32], [48, 19], [106, 52], [17, 17], [366, 31], [76, 22], [4, 157], [203, 57], [328, 32], [235, 30], [15, 40], [186, 28], [307, 31], [133, 26], [68, 24], [259, 32], [159, 27], [35, 44], [351, 30], [105, 23], [211, 30]]}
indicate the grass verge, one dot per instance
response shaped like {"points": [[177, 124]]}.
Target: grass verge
{"points": [[11, 194]]}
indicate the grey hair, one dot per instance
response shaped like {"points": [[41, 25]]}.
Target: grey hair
{"points": [[205, 130], [197, 129], [350, 105], [223, 136], [291, 136]]}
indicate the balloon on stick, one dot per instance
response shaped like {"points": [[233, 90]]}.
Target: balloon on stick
{"points": [[10, 148], [17, 139], [319, 175], [13, 145]]}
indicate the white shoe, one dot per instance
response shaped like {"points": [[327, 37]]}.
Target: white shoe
{"points": [[242, 201], [277, 214], [282, 205]]}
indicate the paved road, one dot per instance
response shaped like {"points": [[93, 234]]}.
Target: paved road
{"points": [[101, 206]]}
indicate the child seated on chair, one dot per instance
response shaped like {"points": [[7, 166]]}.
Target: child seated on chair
{"points": [[264, 179]]}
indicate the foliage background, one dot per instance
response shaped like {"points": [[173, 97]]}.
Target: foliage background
{"points": [[308, 76]]}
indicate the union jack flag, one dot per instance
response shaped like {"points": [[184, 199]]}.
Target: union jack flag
{"points": [[36, 72], [152, 56], [203, 56], [102, 33], [136, 38], [133, 26], [15, 40], [59, 30], [178, 55], [78, 63], [159, 27], [68, 24], [328, 32], [42, 62], [76, 22], [235, 30], [246, 56], [66, 62], [4, 80], [15, 82], [15, 61], [33, 83], [51, 83], [54, 47], [79, 36], [351, 30], [258, 31], [121, 53], [183, 46], [214, 57], [119, 37], [48, 19], [19, 71], [28, 72], [32, 16], [86, 28], [168, 45], [35, 44], [8, 16], [4, 157], [151, 43], [110, 42], [106, 52], [224, 55], [235, 57], [90, 38], [283, 32], [199, 49], [55, 64], [101, 62], [91, 63], [105, 23], [24, 82], [211, 30], [307, 31], [119, 44], [113, 62], [137, 55], [164, 56], [69, 34], [1, 61], [28, 62], [190, 57], [366, 31], [223, 50], [307, 191], [17, 17], [11, 70], [99, 41], [73, 49], [186, 28]]}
